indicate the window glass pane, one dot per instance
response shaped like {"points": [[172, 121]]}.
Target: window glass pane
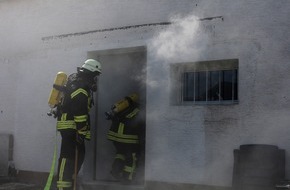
{"points": [[188, 89], [213, 86], [200, 86], [235, 80], [209, 82], [226, 85]]}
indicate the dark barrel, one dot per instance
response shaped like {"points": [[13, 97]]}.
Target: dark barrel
{"points": [[258, 167]]}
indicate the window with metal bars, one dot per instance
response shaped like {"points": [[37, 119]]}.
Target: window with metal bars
{"points": [[210, 86], [207, 82]]}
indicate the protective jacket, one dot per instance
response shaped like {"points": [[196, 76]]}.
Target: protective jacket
{"points": [[73, 124], [125, 135], [125, 129], [74, 112]]}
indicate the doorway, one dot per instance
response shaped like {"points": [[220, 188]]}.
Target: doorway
{"points": [[123, 73]]}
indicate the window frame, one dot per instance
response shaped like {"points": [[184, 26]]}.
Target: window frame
{"points": [[177, 84]]}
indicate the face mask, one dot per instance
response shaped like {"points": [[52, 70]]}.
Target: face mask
{"points": [[96, 79], [94, 87], [94, 84]]}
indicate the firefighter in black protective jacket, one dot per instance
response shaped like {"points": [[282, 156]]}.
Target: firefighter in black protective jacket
{"points": [[73, 121], [126, 132]]}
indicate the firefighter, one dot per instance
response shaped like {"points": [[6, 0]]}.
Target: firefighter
{"points": [[126, 134], [73, 121]]}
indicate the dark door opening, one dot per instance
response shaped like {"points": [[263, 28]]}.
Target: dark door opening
{"points": [[123, 73]]}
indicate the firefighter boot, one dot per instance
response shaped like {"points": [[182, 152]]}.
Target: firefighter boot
{"points": [[117, 167]]}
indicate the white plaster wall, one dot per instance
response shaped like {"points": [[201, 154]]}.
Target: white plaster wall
{"points": [[8, 79], [184, 143], [29, 61], [255, 32]]}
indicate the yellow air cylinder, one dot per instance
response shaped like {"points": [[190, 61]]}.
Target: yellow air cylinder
{"points": [[55, 95], [124, 103]]}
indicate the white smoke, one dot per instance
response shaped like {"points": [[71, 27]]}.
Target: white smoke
{"points": [[181, 41]]}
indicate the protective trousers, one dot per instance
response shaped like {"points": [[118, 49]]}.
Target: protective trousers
{"points": [[66, 162], [124, 165]]}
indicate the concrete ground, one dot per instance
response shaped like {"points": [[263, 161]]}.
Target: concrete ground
{"points": [[19, 186], [9, 183]]}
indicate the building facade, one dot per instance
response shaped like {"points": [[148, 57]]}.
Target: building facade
{"points": [[211, 75]]}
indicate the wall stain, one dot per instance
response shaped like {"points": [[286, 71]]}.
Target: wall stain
{"points": [[47, 38], [103, 30], [212, 18]]}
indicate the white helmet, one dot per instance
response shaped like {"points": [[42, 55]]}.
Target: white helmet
{"points": [[92, 66]]}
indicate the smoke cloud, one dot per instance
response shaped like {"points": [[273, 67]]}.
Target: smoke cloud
{"points": [[180, 143], [183, 40]]}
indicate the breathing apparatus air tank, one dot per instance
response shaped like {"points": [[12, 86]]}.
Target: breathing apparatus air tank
{"points": [[56, 93], [121, 105]]}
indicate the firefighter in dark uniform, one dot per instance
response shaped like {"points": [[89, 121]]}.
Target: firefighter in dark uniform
{"points": [[73, 121], [126, 134]]}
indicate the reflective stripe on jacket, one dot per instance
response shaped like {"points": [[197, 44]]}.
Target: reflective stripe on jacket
{"points": [[124, 132], [75, 113]]}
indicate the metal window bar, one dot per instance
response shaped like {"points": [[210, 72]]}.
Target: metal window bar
{"points": [[233, 86], [220, 86], [206, 85], [187, 84], [184, 85], [194, 87]]}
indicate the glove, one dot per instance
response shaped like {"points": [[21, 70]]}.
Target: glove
{"points": [[80, 138]]}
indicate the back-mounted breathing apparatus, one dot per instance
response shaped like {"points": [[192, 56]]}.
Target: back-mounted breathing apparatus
{"points": [[121, 105], [56, 93]]}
